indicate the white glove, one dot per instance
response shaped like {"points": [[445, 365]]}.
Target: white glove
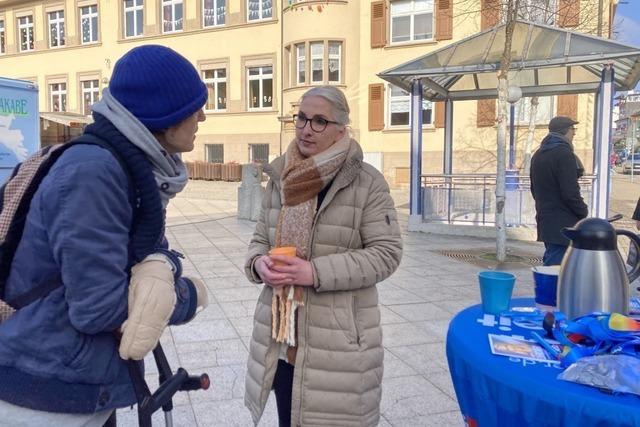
{"points": [[152, 299]]}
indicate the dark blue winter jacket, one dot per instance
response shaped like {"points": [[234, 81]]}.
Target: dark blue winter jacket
{"points": [[59, 353]]}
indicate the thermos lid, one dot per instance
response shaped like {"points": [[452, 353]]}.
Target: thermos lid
{"points": [[593, 234]]}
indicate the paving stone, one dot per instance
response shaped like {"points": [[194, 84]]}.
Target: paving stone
{"points": [[403, 334], [419, 311], [227, 383], [228, 413], [203, 331], [424, 358]]}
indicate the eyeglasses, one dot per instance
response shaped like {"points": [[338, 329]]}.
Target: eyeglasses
{"points": [[318, 124]]}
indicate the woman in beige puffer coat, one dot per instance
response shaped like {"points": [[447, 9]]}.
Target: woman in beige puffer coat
{"points": [[331, 362]]}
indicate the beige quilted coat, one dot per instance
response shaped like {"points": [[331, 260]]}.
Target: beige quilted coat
{"points": [[356, 243]]}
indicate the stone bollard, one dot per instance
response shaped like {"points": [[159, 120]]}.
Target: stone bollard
{"points": [[250, 192]]}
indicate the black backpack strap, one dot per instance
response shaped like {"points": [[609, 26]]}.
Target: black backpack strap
{"points": [[41, 291]]}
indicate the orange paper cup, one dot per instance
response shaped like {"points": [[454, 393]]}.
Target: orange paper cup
{"points": [[283, 250]]}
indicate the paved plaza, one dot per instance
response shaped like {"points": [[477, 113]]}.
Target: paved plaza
{"points": [[416, 303]]}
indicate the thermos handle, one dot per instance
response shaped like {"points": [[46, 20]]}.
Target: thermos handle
{"points": [[635, 271]]}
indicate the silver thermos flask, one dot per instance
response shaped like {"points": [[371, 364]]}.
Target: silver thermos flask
{"points": [[593, 276]]}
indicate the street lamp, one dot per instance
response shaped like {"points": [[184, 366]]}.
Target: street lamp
{"points": [[514, 94]]}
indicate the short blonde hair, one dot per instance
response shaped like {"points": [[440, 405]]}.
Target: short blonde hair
{"points": [[336, 98]]}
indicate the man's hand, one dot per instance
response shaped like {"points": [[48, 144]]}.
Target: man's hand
{"points": [[281, 270], [637, 225]]}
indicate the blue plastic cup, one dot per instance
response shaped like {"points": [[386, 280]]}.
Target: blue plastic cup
{"points": [[545, 280], [495, 290]]}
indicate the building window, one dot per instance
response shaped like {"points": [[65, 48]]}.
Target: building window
{"points": [[411, 20], [260, 80], [317, 59], [335, 61], [259, 9], [172, 16], [301, 64], [400, 108], [56, 28], [25, 29], [544, 113], [216, 81], [133, 18], [259, 153], [90, 95], [89, 24], [539, 11], [213, 12], [2, 42], [214, 153], [58, 96]]}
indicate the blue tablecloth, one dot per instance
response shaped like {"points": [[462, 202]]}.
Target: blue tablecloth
{"points": [[502, 391]]}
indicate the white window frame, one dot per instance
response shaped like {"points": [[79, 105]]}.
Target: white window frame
{"points": [[174, 22], [338, 57], [89, 12], [261, 10], [301, 63], [261, 76], [27, 25], [56, 23], [93, 91], [412, 14], [215, 81], [523, 108], [61, 92], [217, 4], [208, 148], [405, 98], [3, 38], [136, 9], [530, 11], [316, 56]]}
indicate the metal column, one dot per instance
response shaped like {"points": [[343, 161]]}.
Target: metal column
{"points": [[415, 191], [602, 144], [447, 166]]}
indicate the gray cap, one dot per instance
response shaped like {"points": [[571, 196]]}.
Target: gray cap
{"points": [[560, 124]]}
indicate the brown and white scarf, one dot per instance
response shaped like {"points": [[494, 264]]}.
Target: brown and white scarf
{"points": [[301, 181]]}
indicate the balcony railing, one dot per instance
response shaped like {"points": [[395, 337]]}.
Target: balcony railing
{"points": [[471, 199]]}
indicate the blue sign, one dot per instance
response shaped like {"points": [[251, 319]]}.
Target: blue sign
{"points": [[19, 123]]}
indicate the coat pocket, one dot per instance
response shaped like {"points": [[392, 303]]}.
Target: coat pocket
{"points": [[354, 318], [344, 314]]}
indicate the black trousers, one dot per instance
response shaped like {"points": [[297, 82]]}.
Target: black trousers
{"points": [[282, 387]]}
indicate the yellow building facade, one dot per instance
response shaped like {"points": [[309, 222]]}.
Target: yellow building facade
{"points": [[259, 56]]}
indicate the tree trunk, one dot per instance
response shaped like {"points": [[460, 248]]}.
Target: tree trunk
{"points": [[503, 85], [530, 135], [501, 231]]}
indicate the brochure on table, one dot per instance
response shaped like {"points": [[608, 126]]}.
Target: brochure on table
{"points": [[504, 345]]}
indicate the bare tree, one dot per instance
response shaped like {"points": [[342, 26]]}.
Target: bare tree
{"points": [[547, 11]]}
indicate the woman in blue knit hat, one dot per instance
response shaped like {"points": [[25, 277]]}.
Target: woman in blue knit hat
{"points": [[93, 251]]}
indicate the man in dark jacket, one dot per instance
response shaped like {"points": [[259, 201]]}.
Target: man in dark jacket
{"points": [[555, 170]]}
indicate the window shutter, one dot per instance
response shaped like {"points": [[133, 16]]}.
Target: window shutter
{"points": [[376, 106], [444, 19], [486, 112], [568, 106], [378, 24], [438, 118], [490, 15], [568, 13]]}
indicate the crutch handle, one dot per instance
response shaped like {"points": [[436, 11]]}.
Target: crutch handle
{"points": [[196, 382]]}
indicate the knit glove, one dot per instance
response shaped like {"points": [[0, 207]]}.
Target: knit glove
{"points": [[152, 299]]}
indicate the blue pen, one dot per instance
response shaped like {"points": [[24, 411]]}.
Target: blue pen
{"points": [[554, 353]]}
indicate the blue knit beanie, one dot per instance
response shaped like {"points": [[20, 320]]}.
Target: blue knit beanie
{"points": [[158, 86]]}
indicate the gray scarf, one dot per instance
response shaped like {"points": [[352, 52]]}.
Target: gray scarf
{"points": [[169, 170]]}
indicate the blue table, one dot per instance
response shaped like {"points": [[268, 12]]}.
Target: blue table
{"points": [[502, 391]]}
